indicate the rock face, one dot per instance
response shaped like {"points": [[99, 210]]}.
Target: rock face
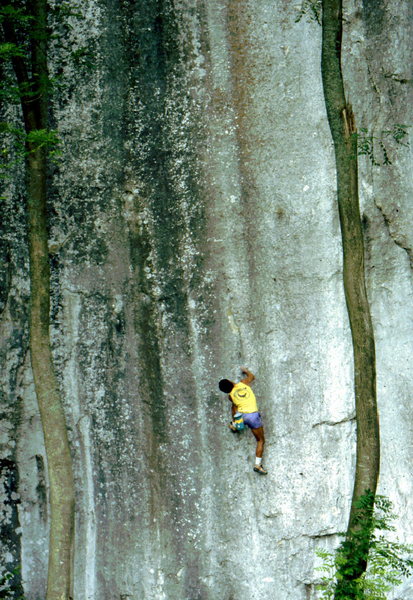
{"points": [[194, 229]]}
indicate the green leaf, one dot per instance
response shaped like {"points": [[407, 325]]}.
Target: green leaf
{"points": [[388, 562], [9, 50]]}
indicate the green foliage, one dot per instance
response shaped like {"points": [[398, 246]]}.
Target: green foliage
{"points": [[60, 18], [42, 138], [84, 57], [399, 134], [7, 587], [367, 143], [311, 9], [23, 26], [387, 562], [5, 584], [15, 15], [9, 50], [17, 145]]}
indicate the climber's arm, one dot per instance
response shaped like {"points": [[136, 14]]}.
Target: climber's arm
{"points": [[249, 377]]}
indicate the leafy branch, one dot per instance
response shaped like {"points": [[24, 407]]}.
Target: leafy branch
{"points": [[388, 562], [310, 9], [367, 143], [17, 15], [22, 81], [24, 144]]}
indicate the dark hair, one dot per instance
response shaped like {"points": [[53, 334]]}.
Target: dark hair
{"points": [[225, 385]]}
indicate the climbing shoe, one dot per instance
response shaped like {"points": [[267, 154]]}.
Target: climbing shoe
{"points": [[260, 469]]}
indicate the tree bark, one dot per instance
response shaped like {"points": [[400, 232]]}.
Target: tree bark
{"points": [[343, 130], [47, 390], [59, 461]]}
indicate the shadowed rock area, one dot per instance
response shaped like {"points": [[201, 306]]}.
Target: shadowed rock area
{"points": [[193, 230]]}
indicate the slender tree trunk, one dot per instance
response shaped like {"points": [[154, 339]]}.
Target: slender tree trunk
{"points": [[48, 396], [343, 130], [34, 106]]}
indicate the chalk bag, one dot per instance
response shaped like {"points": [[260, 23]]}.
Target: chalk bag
{"points": [[238, 422]]}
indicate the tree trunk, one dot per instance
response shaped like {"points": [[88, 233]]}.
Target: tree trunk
{"points": [[34, 106], [47, 391], [343, 130]]}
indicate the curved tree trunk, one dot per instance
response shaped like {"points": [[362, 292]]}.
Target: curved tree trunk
{"points": [[34, 106], [48, 396], [343, 130]]}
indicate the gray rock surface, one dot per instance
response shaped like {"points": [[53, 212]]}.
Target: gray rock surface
{"points": [[194, 229]]}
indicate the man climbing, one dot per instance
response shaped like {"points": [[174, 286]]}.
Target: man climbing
{"points": [[244, 402]]}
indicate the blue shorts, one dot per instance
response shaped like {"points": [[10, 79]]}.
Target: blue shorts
{"points": [[253, 420]]}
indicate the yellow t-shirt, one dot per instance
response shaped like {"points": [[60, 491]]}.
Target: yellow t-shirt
{"points": [[243, 397]]}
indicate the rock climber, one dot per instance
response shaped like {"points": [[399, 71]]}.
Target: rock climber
{"points": [[244, 402]]}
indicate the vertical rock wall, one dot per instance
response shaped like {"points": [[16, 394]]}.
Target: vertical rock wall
{"points": [[194, 229]]}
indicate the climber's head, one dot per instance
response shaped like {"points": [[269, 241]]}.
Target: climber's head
{"points": [[225, 385]]}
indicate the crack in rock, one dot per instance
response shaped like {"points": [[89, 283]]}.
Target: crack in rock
{"points": [[348, 419]]}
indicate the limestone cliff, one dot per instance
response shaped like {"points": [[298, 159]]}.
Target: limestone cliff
{"points": [[194, 229]]}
